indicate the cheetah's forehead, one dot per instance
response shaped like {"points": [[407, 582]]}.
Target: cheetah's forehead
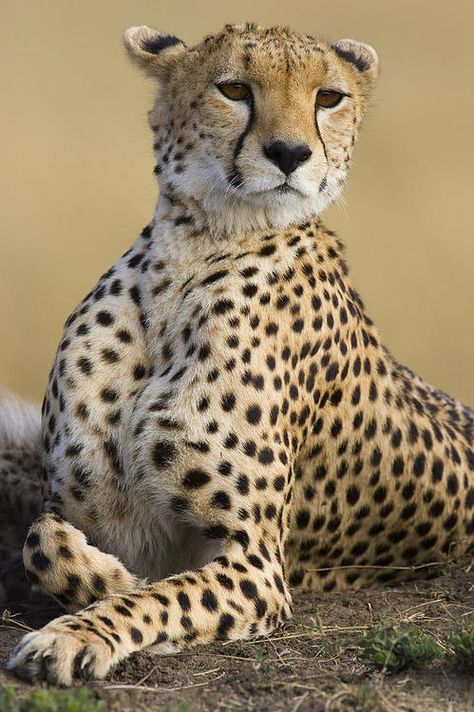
{"points": [[264, 54], [275, 40]]}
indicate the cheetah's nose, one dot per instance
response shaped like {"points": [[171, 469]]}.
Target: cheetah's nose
{"points": [[287, 156]]}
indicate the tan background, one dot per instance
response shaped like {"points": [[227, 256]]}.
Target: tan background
{"points": [[76, 181]]}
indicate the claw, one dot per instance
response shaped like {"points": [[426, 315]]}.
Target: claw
{"points": [[58, 655], [77, 662]]}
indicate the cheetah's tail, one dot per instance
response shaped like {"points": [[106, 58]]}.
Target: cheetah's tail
{"points": [[20, 489]]}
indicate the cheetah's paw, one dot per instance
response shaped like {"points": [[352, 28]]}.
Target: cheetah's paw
{"points": [[58, 654]]}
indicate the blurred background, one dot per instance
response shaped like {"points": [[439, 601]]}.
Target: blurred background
{"points": [[76, 180]]}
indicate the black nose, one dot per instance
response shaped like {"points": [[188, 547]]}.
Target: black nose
{"points": [[287, 156]]}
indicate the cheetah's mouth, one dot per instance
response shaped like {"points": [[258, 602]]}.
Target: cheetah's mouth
{"points": [[284, 188]]}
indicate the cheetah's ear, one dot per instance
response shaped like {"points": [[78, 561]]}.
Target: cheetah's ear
{"points": [[152, 50], [362, 56]]}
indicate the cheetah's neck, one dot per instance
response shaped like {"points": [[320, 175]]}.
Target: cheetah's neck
{"points": [[181, 217]]}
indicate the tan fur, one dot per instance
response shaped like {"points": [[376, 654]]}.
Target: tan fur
{"points": [[222, 420]]}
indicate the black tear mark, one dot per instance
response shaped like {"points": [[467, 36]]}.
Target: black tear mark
{"points": [[235, 176], [155, 45], [318, 132], [348, 56]]}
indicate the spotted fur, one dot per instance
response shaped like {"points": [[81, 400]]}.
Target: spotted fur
{"points": [[223, 422]]}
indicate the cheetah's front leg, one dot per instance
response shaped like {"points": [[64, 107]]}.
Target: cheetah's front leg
{"points": [[239, 595], [208, 457]]}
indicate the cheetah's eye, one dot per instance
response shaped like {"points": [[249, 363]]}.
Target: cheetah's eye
{"points": [[327, 99], [234, 90]]}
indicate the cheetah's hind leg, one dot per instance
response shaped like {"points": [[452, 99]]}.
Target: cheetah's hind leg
{"points": [[20, 490], [62, 564]]}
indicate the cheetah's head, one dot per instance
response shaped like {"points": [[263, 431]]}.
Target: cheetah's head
{"points": [[255, 126]]}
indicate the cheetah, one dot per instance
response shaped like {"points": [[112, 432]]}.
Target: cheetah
{"points": [[223, 424]]}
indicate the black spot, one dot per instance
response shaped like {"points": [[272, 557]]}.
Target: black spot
{"points": [[419, 465], [182, 219], [221, 500], [228, 402], [242, 484], [223, 306], [267, 250], [423, 528], [296, 578], [164, 452], [231, 441], [214, 277], [226, 623], [195, 478], [85, 365], [104, 318], [40, 561], [124, 336], [134, 293], [209, 600], [254, 413], [398, 465], [184, 602], [266, 456], [271, 329], [248, 588], [242, 538], [136, 636], [282, 301], [437, 469], [353, 495], [437, 508], [116, 287], [249, 290], [332, 372], [224, 468], [371, 429], [110, 356], [109, 395], [217, 531], [164, 600], [453, 484], [279, 483], [225, 581], [302, 519], [32, 540], [397, 536], [450, 522], [98, 583], [470, 498], [139, 371], [408, 511], [106, 621]]}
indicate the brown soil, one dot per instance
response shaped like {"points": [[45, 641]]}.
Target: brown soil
{"points": [[313, 664]]}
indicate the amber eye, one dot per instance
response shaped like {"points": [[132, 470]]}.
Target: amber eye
{"points": [[234, 90], [327, 99]]}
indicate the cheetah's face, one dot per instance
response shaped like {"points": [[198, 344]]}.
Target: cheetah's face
{"points": [[254, 122]]}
